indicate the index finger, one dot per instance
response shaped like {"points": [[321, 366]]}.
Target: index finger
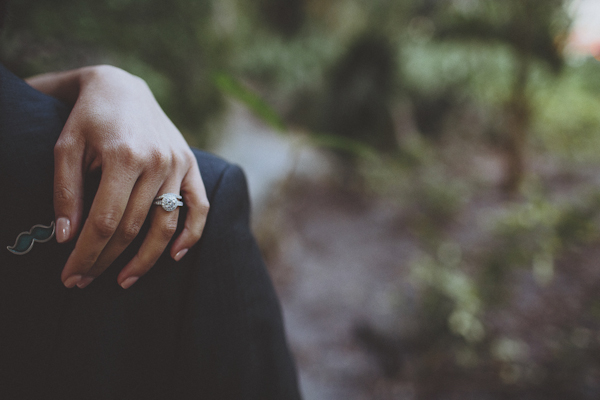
{"points": [[104, 218]]}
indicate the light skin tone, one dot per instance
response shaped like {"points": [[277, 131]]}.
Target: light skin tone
{"points": [[117, 127]]}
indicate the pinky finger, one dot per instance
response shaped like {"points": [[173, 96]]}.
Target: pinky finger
{"points": [[194, 197]]}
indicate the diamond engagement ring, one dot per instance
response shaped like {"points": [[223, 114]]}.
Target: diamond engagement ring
{"points": [[168, 201]]}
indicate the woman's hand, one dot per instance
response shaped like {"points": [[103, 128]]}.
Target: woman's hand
{"points": [[116, 126]]}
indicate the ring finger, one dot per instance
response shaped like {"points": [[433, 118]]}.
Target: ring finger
{"points": [[162, 229]]}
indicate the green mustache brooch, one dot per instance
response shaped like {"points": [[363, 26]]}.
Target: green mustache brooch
{"points": [[25, 240]]}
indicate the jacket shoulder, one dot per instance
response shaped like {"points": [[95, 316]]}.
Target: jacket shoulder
{"points": [[214, 169]]}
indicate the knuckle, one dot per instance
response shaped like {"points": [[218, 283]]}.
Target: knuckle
{"points": [[190, 158], [169, 228], [195, 234], [126, 154], [130, 155], [130, 231], [106, 224], [65, 144], [61, 147], [204, 207], [63, 194], [160, 160]]}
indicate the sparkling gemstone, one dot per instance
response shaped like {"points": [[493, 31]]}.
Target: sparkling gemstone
{"points": [[169, 203]]}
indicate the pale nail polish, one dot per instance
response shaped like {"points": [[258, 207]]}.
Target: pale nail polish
{"points": [[85, 281], [180, 255], [129, 281], [72, 281], [63, 229]]}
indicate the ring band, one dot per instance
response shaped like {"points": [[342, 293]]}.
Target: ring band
{"points": [[168, 201]]}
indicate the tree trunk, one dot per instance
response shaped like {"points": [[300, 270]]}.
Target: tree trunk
{"points": [[517, 117]]}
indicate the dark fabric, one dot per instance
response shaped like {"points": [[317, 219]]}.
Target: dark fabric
{"points": [[207, 327]]}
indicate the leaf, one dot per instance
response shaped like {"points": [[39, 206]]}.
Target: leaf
{"points": [[253, 101], [345, 144]]}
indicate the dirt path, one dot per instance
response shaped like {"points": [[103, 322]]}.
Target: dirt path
{"points": [[344, 260]]}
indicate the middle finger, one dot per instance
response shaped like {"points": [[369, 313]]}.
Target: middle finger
{"points": [[104, 218], [133, 218]]}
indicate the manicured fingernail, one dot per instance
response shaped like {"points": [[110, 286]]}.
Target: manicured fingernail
{"points": [[72, 281], [129, 281], [180, 255], [85, 281], [63, 229]]}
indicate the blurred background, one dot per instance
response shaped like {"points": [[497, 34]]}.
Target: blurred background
{"points": [[424, 173]]}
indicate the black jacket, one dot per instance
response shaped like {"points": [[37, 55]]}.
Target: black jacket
{"points": [[207, 327]]}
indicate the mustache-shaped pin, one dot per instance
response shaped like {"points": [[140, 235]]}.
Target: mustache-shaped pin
{"points": [[25, 240]]}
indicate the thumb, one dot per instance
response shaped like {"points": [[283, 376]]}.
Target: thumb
{"points": [[68, 188]]}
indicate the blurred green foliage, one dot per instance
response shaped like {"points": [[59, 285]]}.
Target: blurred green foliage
{"points": [[234, 88], [173, 45], [568, 123], [282, 58], [503, 306]]}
